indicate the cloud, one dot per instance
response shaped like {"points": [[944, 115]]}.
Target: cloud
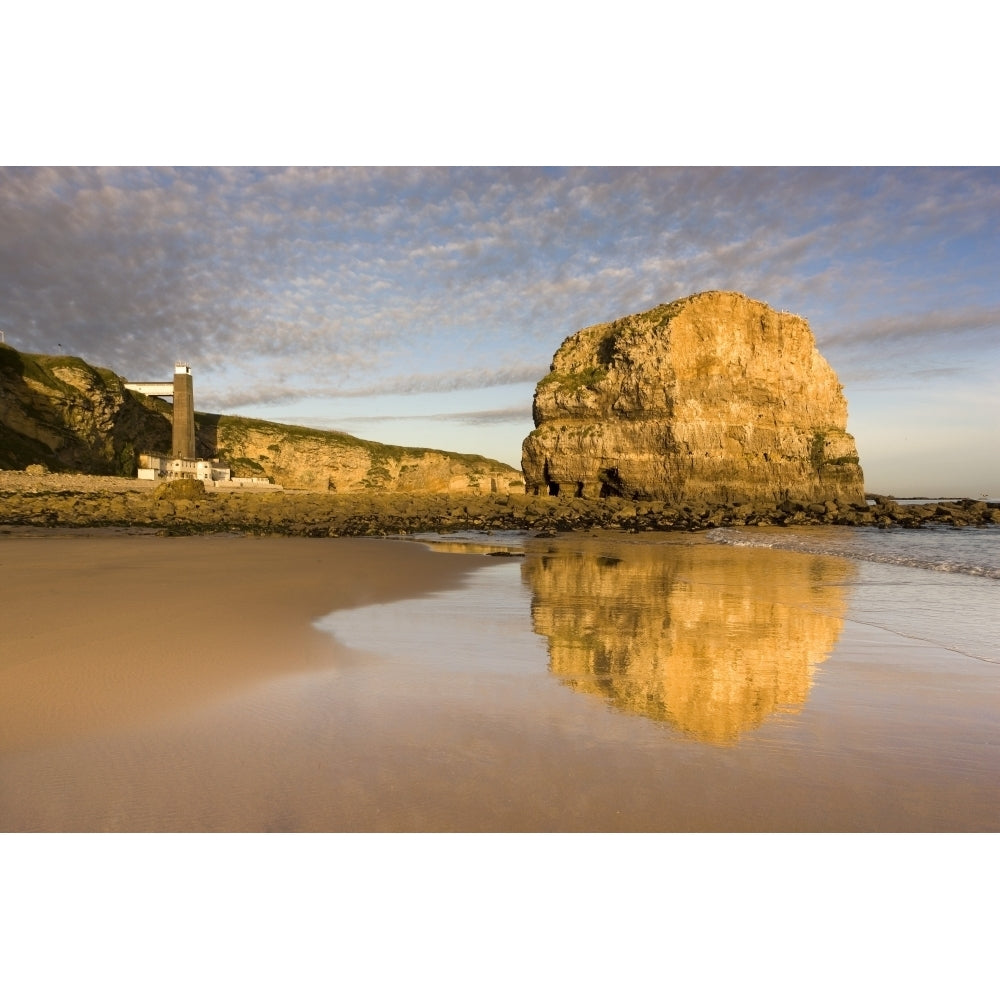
{"points": [[366, 281], [908, 329], [404, 385], [504, 415]]}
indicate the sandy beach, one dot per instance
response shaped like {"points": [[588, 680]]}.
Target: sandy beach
{"points": [[103, 631], [600, 682]]}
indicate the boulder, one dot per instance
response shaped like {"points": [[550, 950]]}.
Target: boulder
{"points": [[180, 489], [715, 398]]}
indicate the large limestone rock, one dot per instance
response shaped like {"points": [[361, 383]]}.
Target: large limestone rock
{"points": [[712, 398]]}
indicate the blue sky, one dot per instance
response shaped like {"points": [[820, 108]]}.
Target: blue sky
{"points": [[420, 306]]}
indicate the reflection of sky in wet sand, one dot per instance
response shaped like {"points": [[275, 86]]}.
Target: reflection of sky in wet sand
{"points": [[710, 640]]}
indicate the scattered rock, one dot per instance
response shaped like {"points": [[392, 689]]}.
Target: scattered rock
{"points": [[289, 513], [180, 489]]}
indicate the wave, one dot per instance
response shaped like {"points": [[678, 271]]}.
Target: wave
{"points": [[972, 552]]}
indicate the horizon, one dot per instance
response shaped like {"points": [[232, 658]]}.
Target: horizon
{"points": [[420, 307]]}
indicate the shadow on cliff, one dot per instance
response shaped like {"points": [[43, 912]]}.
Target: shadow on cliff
{"points": [[65, 414], [206, 434]]}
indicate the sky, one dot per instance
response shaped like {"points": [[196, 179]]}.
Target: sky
{"points": [[420, 306]]}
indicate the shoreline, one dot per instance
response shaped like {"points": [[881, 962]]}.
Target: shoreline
{"points": [[184, 507]]}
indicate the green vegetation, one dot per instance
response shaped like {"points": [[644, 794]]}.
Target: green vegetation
{"points": [[817, 449], [379, 475], [576, 380], [127, 464], [111, 381], [154, 404], [661, 315], [817, 453], [41, 368]]}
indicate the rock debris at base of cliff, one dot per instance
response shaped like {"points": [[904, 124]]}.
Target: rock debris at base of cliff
{"points": [[185, 507]]}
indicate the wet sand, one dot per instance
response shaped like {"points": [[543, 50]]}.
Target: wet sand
{"points": [[105, 631], [528, 694]]}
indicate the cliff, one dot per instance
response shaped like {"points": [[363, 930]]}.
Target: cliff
{"points": [[712, 398], [62, 413], [303, 458], [65, 414]]}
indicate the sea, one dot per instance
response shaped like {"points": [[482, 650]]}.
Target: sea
{"points": [[939, 584]]}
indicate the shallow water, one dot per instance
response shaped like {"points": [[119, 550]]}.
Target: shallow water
{"points": [[595, 683], [740, 689], [966, 551]]}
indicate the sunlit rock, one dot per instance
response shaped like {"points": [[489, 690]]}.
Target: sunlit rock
{"points": [[713, 398], [64, 414]]}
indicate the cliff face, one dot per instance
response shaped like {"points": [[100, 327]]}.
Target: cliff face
{"points": [[64, 414], [299, 457], [715, 397]]}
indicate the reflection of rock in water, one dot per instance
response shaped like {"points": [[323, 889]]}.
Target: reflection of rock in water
{"points": [[709, 638]]}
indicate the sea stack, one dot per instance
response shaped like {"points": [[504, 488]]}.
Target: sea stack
{"points": [[714, 398]]}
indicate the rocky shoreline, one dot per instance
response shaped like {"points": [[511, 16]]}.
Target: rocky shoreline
{"points": [[185, 507]]}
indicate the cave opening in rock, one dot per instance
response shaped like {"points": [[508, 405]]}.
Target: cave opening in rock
{"points": [[611, 484]]}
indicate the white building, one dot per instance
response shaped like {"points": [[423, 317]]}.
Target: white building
{"points": [[210, 472], [160, 467]]}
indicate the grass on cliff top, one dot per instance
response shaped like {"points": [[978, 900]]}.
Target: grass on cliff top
{"points": [[41, 368], [237, 427], [599, 342]]}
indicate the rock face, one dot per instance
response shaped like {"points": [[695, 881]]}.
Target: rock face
{"points": [[65, 414], [302, 458], [712, 398]]}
